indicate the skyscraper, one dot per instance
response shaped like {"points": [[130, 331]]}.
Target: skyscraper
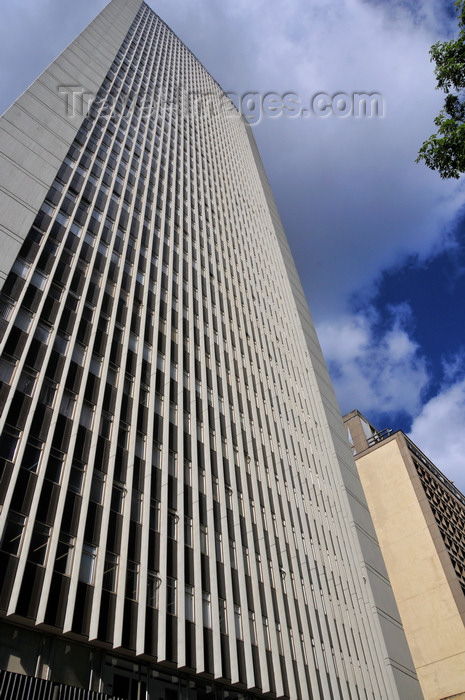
{"points": [[180, 513]]}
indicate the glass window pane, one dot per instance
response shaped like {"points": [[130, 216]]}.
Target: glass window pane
{"points": [[9, 442], [206, 610], [188, 531], [153, 587], [238, 621], [110, 571], [223, 618], [189, 604], [26, 382], [172, 525], [64, 556], [132, 580], [204, 539], [76, 478], [171, 596], [136, 506], [31, 456], [87, 569], [12, 536], [48, 391], [97, 487], [7, 368], [39, 544]]}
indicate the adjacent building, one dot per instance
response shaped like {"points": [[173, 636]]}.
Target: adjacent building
{"points": [[180, 513], [419, 517]]}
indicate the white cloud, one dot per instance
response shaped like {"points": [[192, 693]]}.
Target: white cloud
{"points": [[375, 372], [439, 431]]}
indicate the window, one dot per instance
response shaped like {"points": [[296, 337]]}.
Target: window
{"points": [[67, 405], [232, 554], [61, 343], [76, 477], [39, 544], [215, 488], [55, 465], [7, 367], [6, 309], [123, 435], [39, 280], [275, 527], [136, 506], [48, 391], [87, 568], [153, 587], [223, 616], [238, 621], [117, 495], [23, 320], [173, 464], [280, 639], [105, 425], [9, 443], [12, 536], [270, 568], [241, 503], [32, 455], [132, 580], [206, 610], [140, 446], [187, 473], [189, 604], [79, 354], [97, 487], [246, 560], [291, 641], [218, 546], [204, 539], [172, 524], [110, 572], [188, 531], [253, 630], [21, 268], [42, 333], [259, 567], [87, 416], [304, 648], [202, 481], [154, 515], [171, 596], [64, 556], [266, 634], [27, 381]]}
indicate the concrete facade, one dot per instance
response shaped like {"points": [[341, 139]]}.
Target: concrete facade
{"points": [[38, 129]]}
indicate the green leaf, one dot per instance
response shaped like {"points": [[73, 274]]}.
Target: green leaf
{"points": [[445, 150]]}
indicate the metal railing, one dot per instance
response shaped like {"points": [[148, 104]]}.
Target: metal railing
{"points": [[379, 436], [15, 686]]}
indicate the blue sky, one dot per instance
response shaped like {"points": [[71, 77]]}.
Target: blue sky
{"points": [[379, 240]]}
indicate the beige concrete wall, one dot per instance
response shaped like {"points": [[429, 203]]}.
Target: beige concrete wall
{"points": [[419, 576]]}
